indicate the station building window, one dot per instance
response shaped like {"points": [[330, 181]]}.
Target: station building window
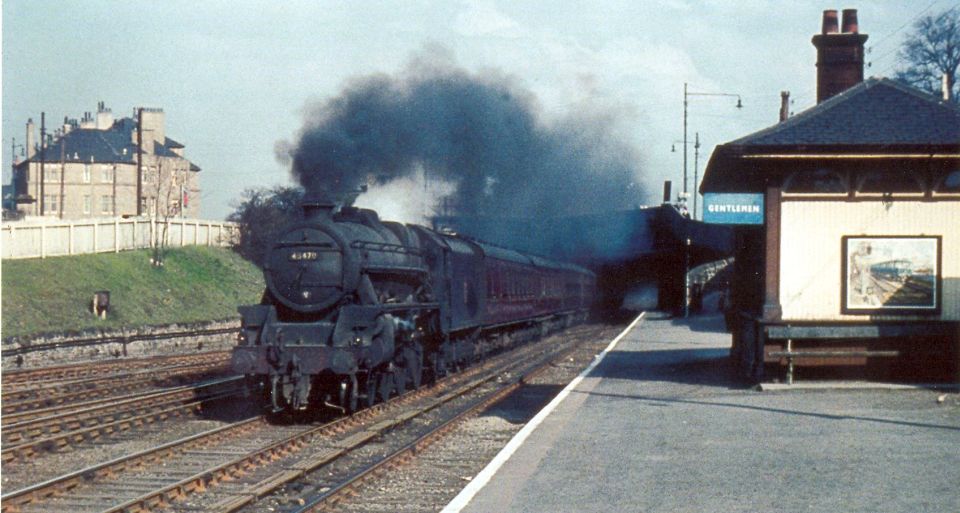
{"points": [[816, 181], [950, 183], [106, 204], [889, 181], [87, 204]]}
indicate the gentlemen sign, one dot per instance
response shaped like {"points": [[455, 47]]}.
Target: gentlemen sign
{"points": [[724, 208]]}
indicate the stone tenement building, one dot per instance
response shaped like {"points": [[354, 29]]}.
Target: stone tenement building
{"points": [[98, 167]]}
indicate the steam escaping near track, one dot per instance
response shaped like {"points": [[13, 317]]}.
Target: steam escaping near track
{"points": [[482, 135]]}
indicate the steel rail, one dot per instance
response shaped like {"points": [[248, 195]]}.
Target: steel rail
{"points": [[64, 421], [53, 412], [207, 478], [101, 368], [89, 382], [58, 441], [351, 487], [292, 473], [200, 481], [14, 501], [64, 393]]}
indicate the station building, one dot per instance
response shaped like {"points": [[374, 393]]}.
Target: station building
{"points": [[853, 268], [102, 167]]}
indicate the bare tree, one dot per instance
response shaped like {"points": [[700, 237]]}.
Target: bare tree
{"points": [[163, 211], [932, 51]]}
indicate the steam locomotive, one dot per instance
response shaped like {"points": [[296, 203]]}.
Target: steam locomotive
{"points": [[357, 309]]}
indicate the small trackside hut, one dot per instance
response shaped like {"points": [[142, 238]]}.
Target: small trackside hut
{"points": [[848, 264]]}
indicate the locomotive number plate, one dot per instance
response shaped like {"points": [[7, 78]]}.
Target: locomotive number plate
{"points": [[303, 255]]}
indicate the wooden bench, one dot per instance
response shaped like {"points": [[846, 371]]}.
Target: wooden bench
{"points": [[790, 354]]}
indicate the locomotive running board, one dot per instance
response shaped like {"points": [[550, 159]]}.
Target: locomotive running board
{"points": [[393, 307]]}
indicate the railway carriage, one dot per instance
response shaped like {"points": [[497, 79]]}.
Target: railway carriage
{"points": [[897, 270]]}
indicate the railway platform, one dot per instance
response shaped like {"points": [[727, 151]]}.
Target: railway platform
{"points": [[658, 424]]}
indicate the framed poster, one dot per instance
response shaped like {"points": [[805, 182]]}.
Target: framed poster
{"points": [[891, 274]]}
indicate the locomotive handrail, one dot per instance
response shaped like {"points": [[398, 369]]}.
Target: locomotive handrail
{"points": [[386, 247], [395, 269], [390, 307], [300, 244]]}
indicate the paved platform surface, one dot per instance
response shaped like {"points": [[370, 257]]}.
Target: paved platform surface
{"points": [[659, 426]]}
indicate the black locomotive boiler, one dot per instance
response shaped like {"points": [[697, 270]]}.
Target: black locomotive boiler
{"points": [[357, 309]]}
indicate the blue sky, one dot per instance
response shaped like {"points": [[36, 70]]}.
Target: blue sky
{"points": [[235, 77]]}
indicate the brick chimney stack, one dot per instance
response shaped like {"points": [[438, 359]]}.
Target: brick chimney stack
{"points": [[839, 54], [31, 142]]}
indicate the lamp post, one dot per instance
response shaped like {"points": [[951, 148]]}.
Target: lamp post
{"points": [[686, 101], [696, 160], [696, 170], [13, 166]]}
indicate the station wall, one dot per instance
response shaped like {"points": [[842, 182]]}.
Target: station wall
{"points": [[811, 261]]}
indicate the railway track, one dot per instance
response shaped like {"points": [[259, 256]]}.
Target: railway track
{"points": [[56, 428], [248, 459], [31, 377], [352, 487], [56, 393]]}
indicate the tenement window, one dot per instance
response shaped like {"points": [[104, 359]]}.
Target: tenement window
{"points": [[51, 174], [50, 204]]}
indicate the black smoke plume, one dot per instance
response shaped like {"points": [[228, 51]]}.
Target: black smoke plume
{"points": [[481, 133]]}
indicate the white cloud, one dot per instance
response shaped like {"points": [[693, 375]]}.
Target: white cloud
{"points": [[484, 19]]}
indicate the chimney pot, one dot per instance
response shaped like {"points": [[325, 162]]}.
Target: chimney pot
{"points": [[830, 21], [784, 105], [850, 21]]}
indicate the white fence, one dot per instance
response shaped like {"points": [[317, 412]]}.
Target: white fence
{"points": [[41, 240]]}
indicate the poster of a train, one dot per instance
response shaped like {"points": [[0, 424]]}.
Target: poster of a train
{"points": [[891, 274]]}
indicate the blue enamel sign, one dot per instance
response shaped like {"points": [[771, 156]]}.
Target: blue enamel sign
{"points": [[725, 208]]}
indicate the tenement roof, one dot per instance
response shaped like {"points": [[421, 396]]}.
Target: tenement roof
{"points": [[114, 145]]}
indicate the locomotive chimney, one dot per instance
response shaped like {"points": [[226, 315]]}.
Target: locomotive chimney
{"points": [[316, 208], [839, 54]]}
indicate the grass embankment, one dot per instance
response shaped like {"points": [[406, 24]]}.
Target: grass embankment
{"points": [[195, 284]]}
